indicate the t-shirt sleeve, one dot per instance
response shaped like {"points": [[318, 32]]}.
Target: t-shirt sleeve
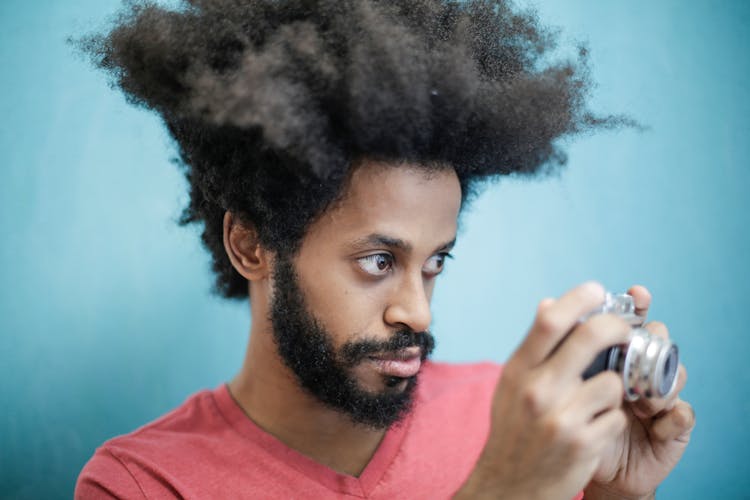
{"points": [[105, 477]]}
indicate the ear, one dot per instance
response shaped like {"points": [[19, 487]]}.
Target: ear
{"points": [[244, 250]]}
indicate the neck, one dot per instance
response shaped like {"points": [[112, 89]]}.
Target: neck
{"points": [[270, 395]]}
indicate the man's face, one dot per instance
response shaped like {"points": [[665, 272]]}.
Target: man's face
{"points": [[351, 310]]}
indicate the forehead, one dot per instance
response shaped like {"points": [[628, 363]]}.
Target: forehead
{"points": [[408, 202]]}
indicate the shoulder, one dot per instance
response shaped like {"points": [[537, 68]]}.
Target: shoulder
{"points": [[118, 467], [195, 417], [106, 476]]}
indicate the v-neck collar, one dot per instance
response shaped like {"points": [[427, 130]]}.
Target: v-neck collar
{"points": [[361, 486]]}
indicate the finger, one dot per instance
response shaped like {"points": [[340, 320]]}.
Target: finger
{"points": [[641, 299], [607, 427], [676, 423], [681, 381], [647, 408], [555, 319], [657, 328], [596, 395], [579, 349]]}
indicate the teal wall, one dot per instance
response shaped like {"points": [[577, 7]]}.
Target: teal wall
{"points": [[105, 315]]}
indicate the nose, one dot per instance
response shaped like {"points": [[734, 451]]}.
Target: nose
{"points": [[410, 305]]}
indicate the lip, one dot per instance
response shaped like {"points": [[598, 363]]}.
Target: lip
{"points": [[404, 363]]}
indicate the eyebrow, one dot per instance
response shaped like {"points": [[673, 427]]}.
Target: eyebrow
{"points": [[376, 239]]}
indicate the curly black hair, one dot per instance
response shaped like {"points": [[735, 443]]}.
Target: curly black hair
{"points": [[272, 103]]}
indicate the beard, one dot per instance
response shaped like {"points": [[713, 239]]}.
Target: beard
{"points": [[307, 348]]}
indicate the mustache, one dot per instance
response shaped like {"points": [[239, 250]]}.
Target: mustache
{"points": [[356, 351]]}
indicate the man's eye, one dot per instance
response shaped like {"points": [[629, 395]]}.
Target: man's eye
{"points": [[377, 264], [435, 263]]}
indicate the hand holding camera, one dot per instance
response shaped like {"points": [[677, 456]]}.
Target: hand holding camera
{"points": [[560, 422]]}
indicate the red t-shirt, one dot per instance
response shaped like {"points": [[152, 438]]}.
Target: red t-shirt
{"points": [[209, 448]]}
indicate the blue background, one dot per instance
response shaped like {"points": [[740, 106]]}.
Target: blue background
{"points": [[106, 320]]}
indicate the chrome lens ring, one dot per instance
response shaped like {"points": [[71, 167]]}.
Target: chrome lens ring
{"points": [[666, 370], [649, 368]]}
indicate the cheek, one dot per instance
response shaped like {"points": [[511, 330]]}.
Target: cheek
{"points": [[346, 307]]}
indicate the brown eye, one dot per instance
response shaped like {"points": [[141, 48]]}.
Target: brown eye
{"points": [[376, 264], [381, 262], [434, 264]]}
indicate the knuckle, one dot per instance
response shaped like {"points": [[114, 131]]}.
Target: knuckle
{"points": [[691, 413], [680, 419], [533, 398], [553, 429], [685, 418], [547, 323]]}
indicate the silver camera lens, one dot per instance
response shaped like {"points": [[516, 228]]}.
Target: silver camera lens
{"points": [[647, 363]]}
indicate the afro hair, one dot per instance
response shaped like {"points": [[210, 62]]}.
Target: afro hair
{"points": [[271, 103]]}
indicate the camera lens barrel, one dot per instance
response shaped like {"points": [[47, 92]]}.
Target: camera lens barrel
{"points": [[649, 366], [647, 363]]}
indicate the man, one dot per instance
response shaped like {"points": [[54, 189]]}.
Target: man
{"points": [[330, 148]]}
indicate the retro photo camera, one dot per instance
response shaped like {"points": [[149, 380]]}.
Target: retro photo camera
{"points": [[647, 363]]}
